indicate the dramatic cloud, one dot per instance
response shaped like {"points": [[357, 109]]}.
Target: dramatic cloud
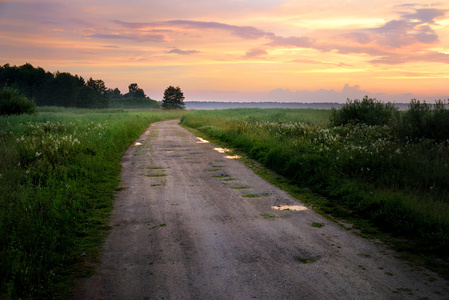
{"points": [[244, 32], [382, 42], [411, 28], [399, 33], [425, 15]]}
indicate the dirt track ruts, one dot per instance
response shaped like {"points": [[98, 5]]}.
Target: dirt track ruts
{"points": [[192, 223]]}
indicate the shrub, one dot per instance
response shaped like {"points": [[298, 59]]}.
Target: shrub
{"points": [[424, 121], [12, 103], [368, 111]]}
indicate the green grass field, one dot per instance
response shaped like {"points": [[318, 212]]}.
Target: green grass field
{"points": [[364, 172], [58, 171], [60, 168]]}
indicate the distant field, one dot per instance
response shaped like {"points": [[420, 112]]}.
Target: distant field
{"points": [[203, 105], [258, 114], [401, 188], [58, 172]]}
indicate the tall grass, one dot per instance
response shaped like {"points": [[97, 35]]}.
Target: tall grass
{"points": [[58, 172], [400, 186]]}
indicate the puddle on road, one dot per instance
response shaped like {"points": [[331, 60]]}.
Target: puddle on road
{"points": [[224, 151], [233, 157], [219, 150], [290, 207], [202, 141]]}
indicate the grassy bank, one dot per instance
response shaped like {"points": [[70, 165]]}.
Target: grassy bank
{"points": [[398, 186], [58, 172]]}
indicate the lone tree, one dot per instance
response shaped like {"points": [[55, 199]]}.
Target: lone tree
{"points": [[173, 98]]}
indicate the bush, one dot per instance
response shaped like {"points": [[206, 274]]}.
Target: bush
{"points": [[424, 121], [369, 111], [12, 103]]}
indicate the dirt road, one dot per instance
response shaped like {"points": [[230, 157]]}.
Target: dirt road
{"points": [[192, 222]]}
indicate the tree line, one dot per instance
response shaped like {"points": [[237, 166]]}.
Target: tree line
{"points": [[61, 88]]}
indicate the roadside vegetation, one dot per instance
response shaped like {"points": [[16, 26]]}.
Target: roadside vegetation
{"points": [[59, 169], [388, 168]]}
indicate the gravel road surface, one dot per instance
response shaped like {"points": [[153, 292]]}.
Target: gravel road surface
{"points": [[193, 222]]}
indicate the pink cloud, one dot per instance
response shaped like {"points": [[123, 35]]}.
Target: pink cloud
{"points": [[182, 52], [395, 59], [246, 32], [409, 29], [426, 15], [255, 53]]}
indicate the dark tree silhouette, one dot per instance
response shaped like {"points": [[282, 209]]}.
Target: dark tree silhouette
{"points": [[173, 98], [135, 91], [59, 88]]}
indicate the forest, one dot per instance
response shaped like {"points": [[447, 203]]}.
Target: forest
{"points": [[62, 88]]}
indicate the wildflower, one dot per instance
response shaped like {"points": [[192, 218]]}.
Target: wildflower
{"points": [[38, 154]]}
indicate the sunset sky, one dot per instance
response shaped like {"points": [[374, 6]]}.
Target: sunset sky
{"points": [[239, 50]]}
